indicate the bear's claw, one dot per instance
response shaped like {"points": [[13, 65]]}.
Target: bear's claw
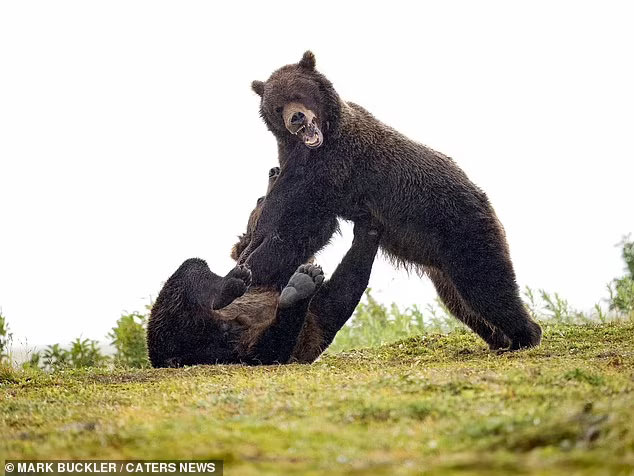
{"points": [[530, 336]]}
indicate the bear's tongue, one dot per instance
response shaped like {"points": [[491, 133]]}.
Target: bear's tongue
{"points": [[311, 135]]}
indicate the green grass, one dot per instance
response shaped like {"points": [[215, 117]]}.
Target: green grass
{"points": [[434, 404]]}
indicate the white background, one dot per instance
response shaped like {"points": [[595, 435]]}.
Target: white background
{"points": [[130, 139]]}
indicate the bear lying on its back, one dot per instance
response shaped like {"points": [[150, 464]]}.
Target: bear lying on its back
{"points": [[202, 318], [338, 160]]}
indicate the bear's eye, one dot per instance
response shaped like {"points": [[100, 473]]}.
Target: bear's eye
{"points": [[279, 109]]}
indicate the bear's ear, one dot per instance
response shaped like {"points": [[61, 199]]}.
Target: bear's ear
{"points": [[258, 87], [308, 60]]}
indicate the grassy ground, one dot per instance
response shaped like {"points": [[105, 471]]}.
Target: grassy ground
{"points": [[436, 403]]}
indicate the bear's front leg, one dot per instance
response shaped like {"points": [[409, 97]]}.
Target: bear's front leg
{"points": [[276, 344], [296, 221], [339, 296]]}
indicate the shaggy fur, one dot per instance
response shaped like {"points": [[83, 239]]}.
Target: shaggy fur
{"points": [[202, 318], [340, 161]]}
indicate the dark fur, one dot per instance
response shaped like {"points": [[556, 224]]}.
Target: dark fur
{"points": [[187, 326], [434, 217]]}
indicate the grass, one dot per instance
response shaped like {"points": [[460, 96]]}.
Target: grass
{"points": [[434, 404]]}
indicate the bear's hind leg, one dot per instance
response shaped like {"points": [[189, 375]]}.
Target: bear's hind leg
{"points": [[232, 286], [483, 276], [449, 295], [301, 286]]}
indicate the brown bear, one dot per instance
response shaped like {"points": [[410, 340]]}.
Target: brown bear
{"points": [[202, 318], [339, 161]]}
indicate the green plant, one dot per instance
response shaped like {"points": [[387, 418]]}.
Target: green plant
{"points": [[552, 307], [8, 373], [622, 294], [5, 338], [55, 358], [558, 310], [86, 353], [530, 301], [600, 314], [82, 353], [622, 289], [628, 253], [34, 362], [129, 340], [441, 319]]}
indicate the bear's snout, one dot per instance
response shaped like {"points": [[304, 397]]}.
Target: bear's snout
{"points": [[302, 122]]}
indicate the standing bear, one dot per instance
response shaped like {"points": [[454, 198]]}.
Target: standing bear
{"points": [[338, 160]]}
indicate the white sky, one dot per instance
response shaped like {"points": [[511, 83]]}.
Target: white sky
{"points": [[130, 139]]}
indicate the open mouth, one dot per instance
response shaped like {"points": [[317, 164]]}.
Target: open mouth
{"points": [[302, 122], [310, 135]]}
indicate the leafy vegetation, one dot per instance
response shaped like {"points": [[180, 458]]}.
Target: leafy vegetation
{"points": [[374, 324], [5, 339], [129, 339], [82, 353], [628, 254], [622, 289]]}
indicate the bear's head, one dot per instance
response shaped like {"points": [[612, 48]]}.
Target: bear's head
{"points": [[299, 103]]}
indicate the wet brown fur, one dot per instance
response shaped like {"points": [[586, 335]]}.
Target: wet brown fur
{"points": [[256, 310], [436, 221]]}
